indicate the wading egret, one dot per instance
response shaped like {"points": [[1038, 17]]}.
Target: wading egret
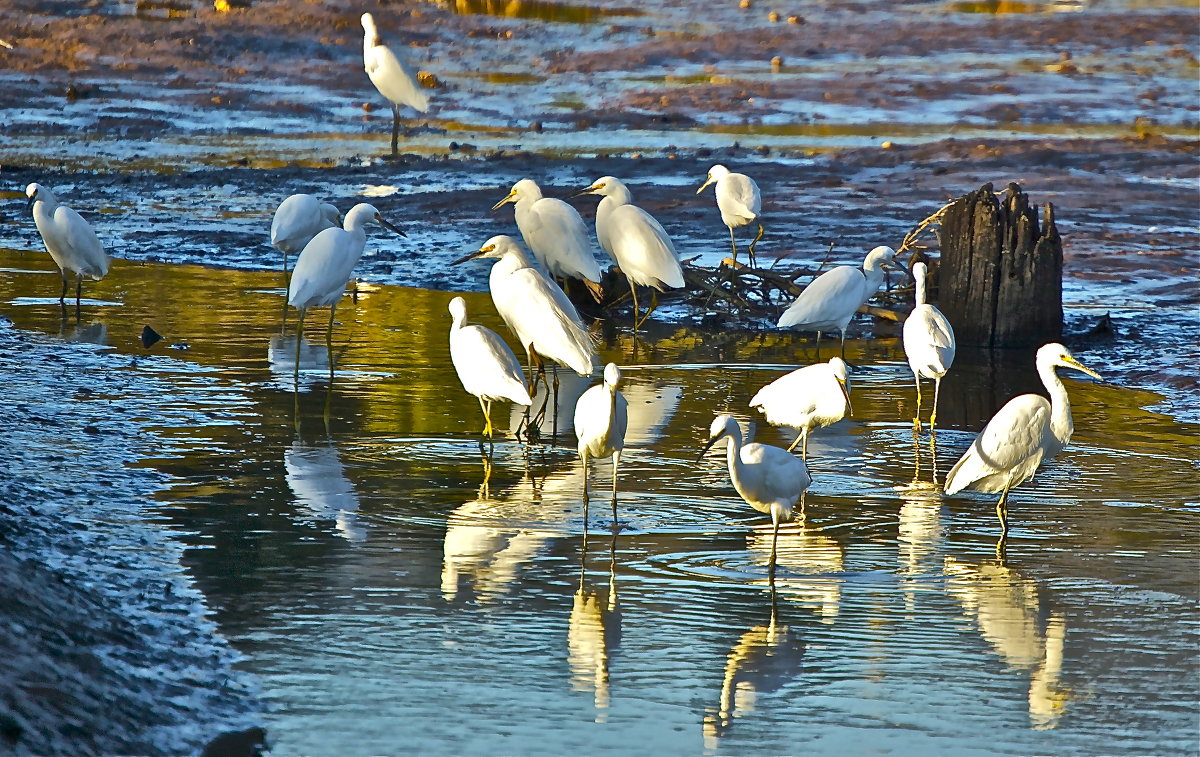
{"points": [[325, 264], [485, 365], [391, 76], [739, 201], [636, 241], [601, 417], [769, 479], [835, 296], [535, 309], [555, 233], [297, 220], [1023, 433], [69, 239], [929, 345], [810, 397]]}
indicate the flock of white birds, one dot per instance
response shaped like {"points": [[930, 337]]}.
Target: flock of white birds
{"points": [[1025, 432]]}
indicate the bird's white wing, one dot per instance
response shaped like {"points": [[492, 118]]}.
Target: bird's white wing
{"points": [[83, 245], [825, 302], [557, 235], [643, 249], [542, 315], [486, 366], [783, 475], [297, 219], [928, 339], [743, 195], [322, 270], [1014, 438], [394, 80]]}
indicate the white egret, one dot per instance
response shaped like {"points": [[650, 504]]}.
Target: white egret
{"points": [[769, 479], [485, 365], [1026, 431], [636, 241], [535, 309], [835, 296], [929, 345], [601, 418], [69, 239], [739, 201], [555, 233], [810, 397], [325, 264], [297, 220], [391, 76]]}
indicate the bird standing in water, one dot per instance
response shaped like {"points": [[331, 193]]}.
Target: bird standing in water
{"points": [[601, 418], [69, 239], [928, 344], [810, 397], [297, 220], [485, 365]]}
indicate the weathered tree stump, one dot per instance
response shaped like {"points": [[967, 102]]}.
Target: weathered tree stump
{"points": [[1000, 278]]}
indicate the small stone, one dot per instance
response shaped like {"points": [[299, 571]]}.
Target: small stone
{"points": [[773, 17]]}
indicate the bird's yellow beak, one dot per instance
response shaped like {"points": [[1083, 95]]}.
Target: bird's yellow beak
{"points": [[508, 199], [846, 393], [1081, 367], [704, 186]]}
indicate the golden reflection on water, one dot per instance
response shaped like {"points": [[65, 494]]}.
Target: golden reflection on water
{"points": [[541, 10], [809, 565]]}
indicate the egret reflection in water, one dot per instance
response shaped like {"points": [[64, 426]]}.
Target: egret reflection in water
{"points": [[809, 563], [1023, 628], [317, 478], [651, 406], [315, 363], [764, 660], [594, 630], [89, 333]]}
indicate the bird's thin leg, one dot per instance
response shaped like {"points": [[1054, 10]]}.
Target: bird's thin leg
{"points": [[529, 352], [799, 437], [933, 452], [804, 446], [299, 338], [78, 291], [750, 251], [733, 244], [285, 264], [937, 387], [774, 541], [843, 346], [583, 455], [616, 470], [395, 130], [917, 420], [554, 427], [653, 305], [818, 347], [329, 331], [62, 297], [487, 426], [633, 291], [1002, 513]]}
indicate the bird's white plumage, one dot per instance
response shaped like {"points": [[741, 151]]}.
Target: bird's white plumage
{"points": [[602, 417], [738, 196], [485, 365], [394, 80], [633, 238], [831, 300], [298, 219], [768, 478], [325, 263], [554, 232], [928, 335], [1023, 434], [70, 240], [810, 397], [535, 308]]}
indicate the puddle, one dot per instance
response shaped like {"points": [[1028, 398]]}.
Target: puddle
{"points": [[539, 10]]}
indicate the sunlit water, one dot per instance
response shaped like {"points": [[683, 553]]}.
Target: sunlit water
{"points": [[395, 591]]}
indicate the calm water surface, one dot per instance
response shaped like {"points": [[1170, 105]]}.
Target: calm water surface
{"points": [[394, 590]]}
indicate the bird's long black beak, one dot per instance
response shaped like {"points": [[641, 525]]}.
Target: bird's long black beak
{"points": [[391, 227], [29, 200], [471, 256], [846, 394], [707, 447]]}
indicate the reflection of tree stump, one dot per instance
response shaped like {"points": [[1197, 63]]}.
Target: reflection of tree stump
{"points": [[1000, 281]]}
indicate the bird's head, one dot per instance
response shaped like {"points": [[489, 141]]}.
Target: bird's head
{"points": [[715, 174], [496, 247], [1054, 354], [880, 257], [523, 189], [458, 310], [363, 213], [31, 193], [722, 426], [612, 376], [603, 186]]}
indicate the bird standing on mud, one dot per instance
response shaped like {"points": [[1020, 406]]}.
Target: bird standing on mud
{"points": [[556, 235], [928, 344], [835, 296], [637, 241], [1026, 431], [394, 80], [69, 239], [739, 201]]}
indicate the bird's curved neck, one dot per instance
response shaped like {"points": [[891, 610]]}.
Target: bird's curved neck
{"points": [[513, 260], [370, 38], [617, 196], [733, 455], [920, 289], [1061, 423]]}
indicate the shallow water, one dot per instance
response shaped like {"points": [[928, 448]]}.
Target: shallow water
{"points": [[392, 590]]}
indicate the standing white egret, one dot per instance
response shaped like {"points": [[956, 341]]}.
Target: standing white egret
{"points": [[929, 345], [739, 201], [1023, 433], [297, 220], [810, 397], [601, 417], [325, 264], [485, 365], [556, 235], [391, 76], [768, 478], [535, 309], [636, 241], [69, 239], [835, 296]]}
